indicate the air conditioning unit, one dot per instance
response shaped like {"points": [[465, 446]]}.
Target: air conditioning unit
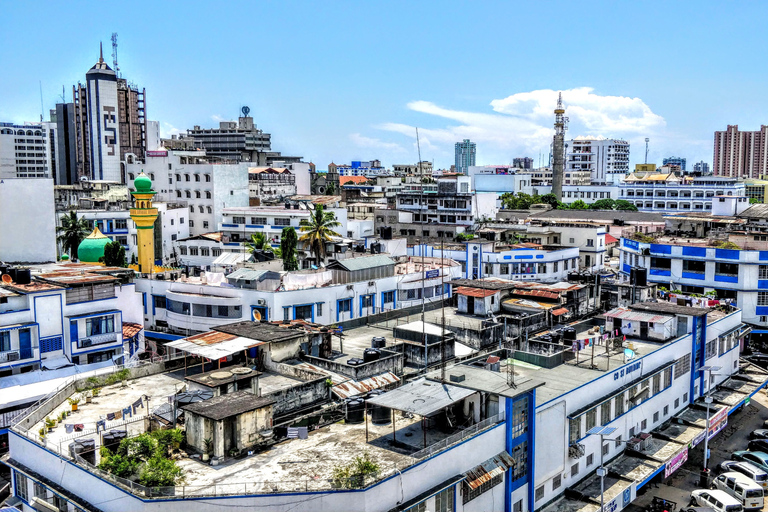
{"points": [[350, 287], [371, 283], [12, 356], [86, 343], [261, 302]]}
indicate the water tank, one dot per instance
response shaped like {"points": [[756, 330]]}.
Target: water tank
{"points": [[355, 410], [371, 354], [4, 269], [23, 276], [355, 361], [88, 452], [379, 415], [386, 233], [190, 397], [12, 272], [569, 335], [378, 342]]}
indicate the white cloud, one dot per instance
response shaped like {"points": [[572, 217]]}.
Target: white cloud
{"points": [[167, 129], [218, 118], [369, 142], [522, 124]]}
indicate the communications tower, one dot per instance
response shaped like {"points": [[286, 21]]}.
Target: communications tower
{"points": [[558, 166]]}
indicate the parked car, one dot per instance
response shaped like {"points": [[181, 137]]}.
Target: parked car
{"points": [[758, 445], [720, 501], [759, 459], [741, 487], [745, 468], [761, 433]]}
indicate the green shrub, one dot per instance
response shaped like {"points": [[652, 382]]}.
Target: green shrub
{"points": [[353, 475]]}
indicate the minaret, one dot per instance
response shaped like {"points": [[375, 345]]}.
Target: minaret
{"points": [[144, 215], [558, 166]]}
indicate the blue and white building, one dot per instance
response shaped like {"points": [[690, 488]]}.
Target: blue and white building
{"points": [[687, 195], [523, 262]]}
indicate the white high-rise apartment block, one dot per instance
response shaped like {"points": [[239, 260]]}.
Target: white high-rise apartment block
{"points": [[606, 160], [27, 151]]}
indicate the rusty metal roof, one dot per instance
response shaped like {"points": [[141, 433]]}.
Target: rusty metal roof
{"points": [[352, 388], [537, 293], [638, 316], [492, 467], [560, 311], [479, 293]]}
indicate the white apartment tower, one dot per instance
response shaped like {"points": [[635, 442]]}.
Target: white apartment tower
{"points": [[601, 160], [96, 117]]}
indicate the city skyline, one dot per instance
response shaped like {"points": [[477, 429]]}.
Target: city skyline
{"points": [[330, 100]]}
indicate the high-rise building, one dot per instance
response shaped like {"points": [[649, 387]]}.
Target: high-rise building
{"points": [[110, 123], [597, 159], [465, 155], [741, 154], [27, 150], [701, 167], [522, 163], [66, 144], [675, 160]]}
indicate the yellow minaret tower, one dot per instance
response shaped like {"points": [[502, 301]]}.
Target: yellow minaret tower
{"points": [[144, 215]]}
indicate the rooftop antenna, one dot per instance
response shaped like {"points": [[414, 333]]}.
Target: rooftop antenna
{"points": [[114, 54], [647, 140], [63, 97]]}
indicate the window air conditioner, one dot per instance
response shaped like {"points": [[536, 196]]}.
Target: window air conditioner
{"points": [[350, 287], [86, 343], [261, 302], [12, 356], [371, 283]]}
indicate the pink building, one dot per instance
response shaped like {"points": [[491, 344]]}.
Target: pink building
{"points": [[741, 154]]}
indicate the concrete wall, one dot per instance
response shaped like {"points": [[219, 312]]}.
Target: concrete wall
{"points": [[414, 354], [390, 361], [27, 220]]}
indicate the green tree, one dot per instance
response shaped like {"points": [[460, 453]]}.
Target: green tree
{"points": [[159, 472], [579, 205], [330, 188], [318, 230], [71, 233], [603, 204], [288, 242], [353, 475], [550, 199], [624, 205], [259, 242], [114, 255], [519, 201], [754, 200]]}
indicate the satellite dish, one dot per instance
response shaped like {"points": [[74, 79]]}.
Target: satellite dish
{"points": [[7, 279], [256, 315], [245, 111]]}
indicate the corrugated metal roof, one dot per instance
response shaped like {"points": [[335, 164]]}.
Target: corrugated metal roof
{"points": [[560, 311], [214, 344], [246, 274], [492, 467], [626, 314], [422, 397], [232, 258], [475, 292], [362, 263], [352, 388], [537, 293]]}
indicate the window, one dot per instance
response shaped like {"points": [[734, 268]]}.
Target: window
{"points": [[504, 268], [367, 301], [554, 267], [282, 222], [197, 177], [444, 500], [421, 507], [158, 301], [520, 456], [539, 493], [193, 251], [22, 486], [643, 425], [215, 253], [656, 416], [210, 210], [618, 403], [286, 314], [207, 194], [186, 177], [685, 397], [520, 417], [763, 272], [468, 494], [188, 194], [5, 341], [258, 220], [388, 297], [667, 377], [618, 442], [590, 459], [205, 225], [682, 366], [575, 469], [207, 177], [99, 325], [238, 220], [178, 193], [605, 413], [590, 242], [591, 418], [178, 177], [666, 410], [606, 447], [575, 429], [191, 208], [656, 384], [183, 250], [197, 194], [204, 251], [121, 224], [710, 349], [40, 490], [518, 507], [556, 481], [175, 306], [345, 306]]}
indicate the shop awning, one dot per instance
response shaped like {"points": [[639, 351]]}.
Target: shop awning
{"points": [[486, 471]]}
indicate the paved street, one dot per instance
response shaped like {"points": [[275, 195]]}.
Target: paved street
{"points": [[734, 437]]}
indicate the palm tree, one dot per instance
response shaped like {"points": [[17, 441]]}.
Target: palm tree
{"points": [[71, 232], [259, 242], [318, 230]]}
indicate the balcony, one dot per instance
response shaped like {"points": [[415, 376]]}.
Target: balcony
{"points": [[98, 339]]}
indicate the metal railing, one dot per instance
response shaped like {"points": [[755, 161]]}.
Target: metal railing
{"points": [[459, 436]]}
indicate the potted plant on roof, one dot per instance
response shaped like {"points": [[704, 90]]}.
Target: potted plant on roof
{"points": [[88, 397], [50, 423], [41, 432], [95, 392], [73, 402], [208, 447]]}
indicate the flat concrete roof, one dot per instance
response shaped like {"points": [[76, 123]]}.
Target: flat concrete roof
{"points": [[480, 379], [226, 406]]}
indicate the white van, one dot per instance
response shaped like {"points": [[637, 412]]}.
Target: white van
{"points": [[741, 487], [750, 470], [719, 501]]}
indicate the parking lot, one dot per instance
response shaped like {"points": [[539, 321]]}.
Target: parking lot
{"points": [[733, 438]]}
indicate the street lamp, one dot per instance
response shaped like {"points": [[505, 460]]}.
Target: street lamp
{"points": [[707, 400], [601, 472]]}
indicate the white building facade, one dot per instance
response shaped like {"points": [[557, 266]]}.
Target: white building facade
{"points": [[28, 150], [27, 220], [601, 161]]}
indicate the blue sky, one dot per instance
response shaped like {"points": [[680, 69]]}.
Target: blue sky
{"points": [[341, 81]]}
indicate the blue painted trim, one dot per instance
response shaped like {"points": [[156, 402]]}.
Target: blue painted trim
{"points": [[13, 311], [735, 407], [88, 315], [691, 275], [660, 272], [648, 479], [531, 455], [762, 284], [726, 279], [144, 301], [761, 310], [301, 305], [101, 348], [161, 336]]}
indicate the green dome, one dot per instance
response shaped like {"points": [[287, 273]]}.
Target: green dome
{"points": [[142, 183], [92, 247]]}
